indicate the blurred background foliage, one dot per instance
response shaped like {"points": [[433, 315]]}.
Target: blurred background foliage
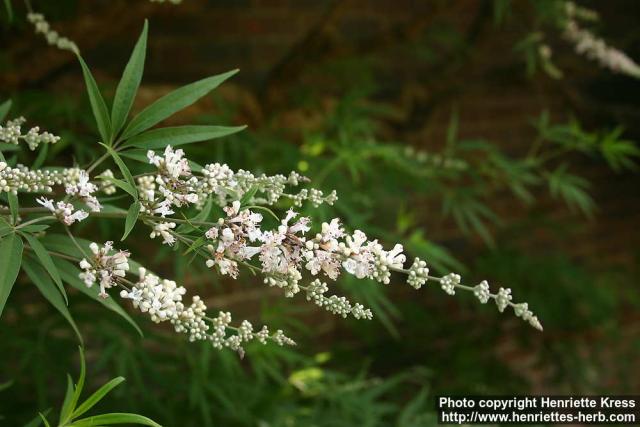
{"points": [[440, 125]]}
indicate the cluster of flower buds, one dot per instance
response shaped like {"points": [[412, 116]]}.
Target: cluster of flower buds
{"points": [[175, 185], [220, 337], [11, 133], [21, 178], [335, 304], [503, 300], [53, 38], [163, 229], [435, 160], [103, 267], [162, 300], [593, 47]]}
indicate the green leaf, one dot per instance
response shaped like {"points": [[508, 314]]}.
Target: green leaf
{"points": [[6, 385], [77, 391], [66, 404], [13, 206], [132, 217], [572, 189], [69, 274], [97, 396], [129, 83], [180, 135], [42, 156], [115, 418], [44, 419], [7, 5], [122, 185], [5, 227], [34, 228], [126, 173], [248, 196], [199, 217], [100, 111], [172, 103], [46, 261], [5, 106], [197, 244], [37, 420], [11, 247], [48, 289]]}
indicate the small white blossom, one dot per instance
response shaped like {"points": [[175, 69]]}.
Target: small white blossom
{"points": [[418, 274], [11, 133], [65, 212], [163, 229], [53, 38], [449, 282], [593, 47], [481, 291], [103, 267], [503, 298], [84, 189]]}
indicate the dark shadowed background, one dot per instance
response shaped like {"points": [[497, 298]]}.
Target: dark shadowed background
{"points": [[425, 116]]}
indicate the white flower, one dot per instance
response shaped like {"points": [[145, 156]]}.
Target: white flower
{"points": [[84, 189], [63, 211], [11, 133], [418, 274], [503, 298], [593, 47], [163, 229], [52, 37], [103, 267], [481, 291], [449, 282]]}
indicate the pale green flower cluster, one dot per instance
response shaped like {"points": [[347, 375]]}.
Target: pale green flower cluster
{"points": [[594, 47], [11, 133], [53, 38]]}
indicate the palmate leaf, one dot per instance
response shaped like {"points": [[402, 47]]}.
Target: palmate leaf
{"points": [[129, 83], [48, 289], [572, 189], [11, 247], [180, 135], [172, 103], [98, 106], [620, 154]]}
